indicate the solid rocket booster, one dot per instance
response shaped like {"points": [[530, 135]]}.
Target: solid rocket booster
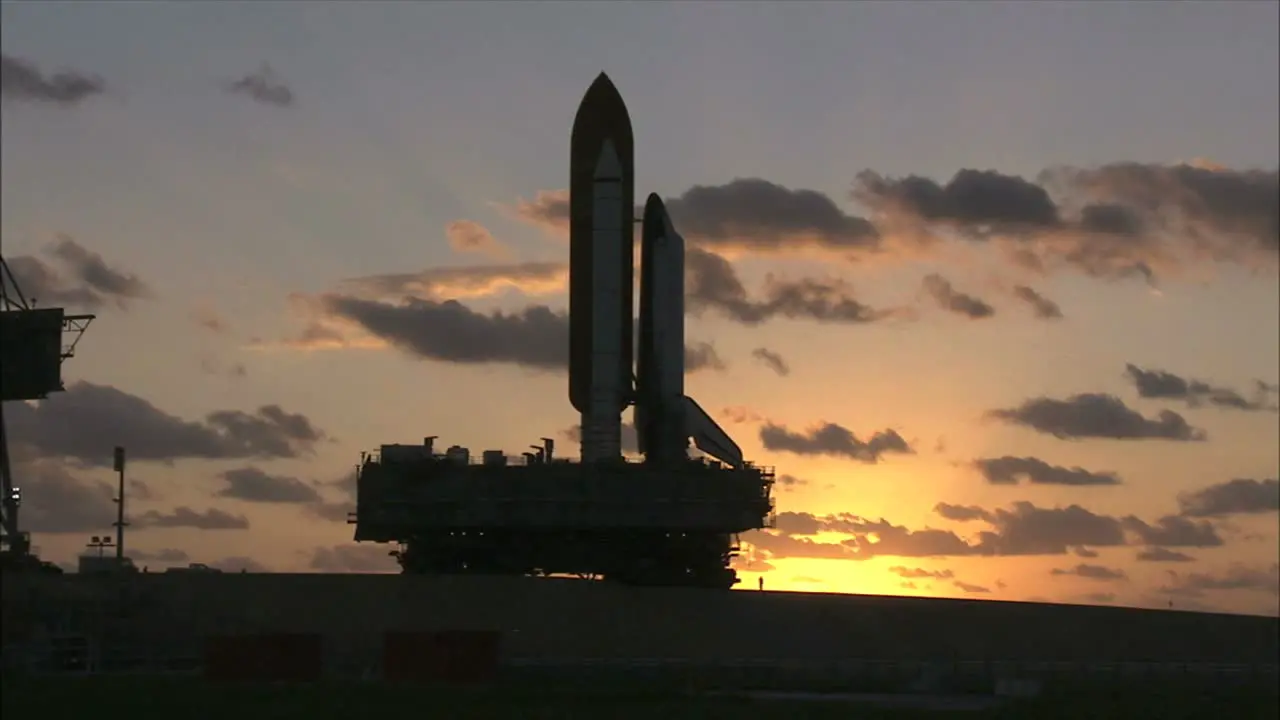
{"points": [[601, 248], [659, 413]]}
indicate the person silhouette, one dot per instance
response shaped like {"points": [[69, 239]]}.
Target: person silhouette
{"points": [[761, 582]]}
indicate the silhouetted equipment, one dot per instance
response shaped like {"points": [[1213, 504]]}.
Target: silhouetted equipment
{"points": [[33, 344], [670, 520]]}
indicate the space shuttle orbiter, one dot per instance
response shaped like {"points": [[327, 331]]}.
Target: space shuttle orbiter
{"points": [[666, 419], [601, 254]]}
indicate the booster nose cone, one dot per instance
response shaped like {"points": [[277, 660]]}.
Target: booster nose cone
{"points": [[608, 167]]}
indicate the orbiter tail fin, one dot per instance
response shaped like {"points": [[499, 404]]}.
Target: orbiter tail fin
{"points": [[708, 436]]}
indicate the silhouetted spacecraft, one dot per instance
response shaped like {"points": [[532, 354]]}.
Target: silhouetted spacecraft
{"points": [[601, 276]]}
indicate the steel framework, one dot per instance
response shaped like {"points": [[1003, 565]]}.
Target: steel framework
{"points": [[34, 342]]}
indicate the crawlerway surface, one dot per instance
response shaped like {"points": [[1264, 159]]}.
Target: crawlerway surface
{"points": [[145, 698]]}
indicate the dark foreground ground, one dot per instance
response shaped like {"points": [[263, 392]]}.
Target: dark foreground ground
{"points": [[194, 699]]}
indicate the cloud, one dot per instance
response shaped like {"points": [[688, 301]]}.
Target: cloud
{"points": [[366, 558], [969, 587], [462, 281], [535, 337], [1115, 221], [1241, 496], [263, 87], [22, 81], [828, 438], [951, 300], [164, 555], [772, 360], [238, 563], [1236, 577], [919, 573], [87, 421], [76, 277], [745, 214], [254, 485], [1173, 531], [1044, 308], [1008, 470], [209, 319], [1159, 554], [466, 236], [1096, 415], [56, 501], [1021, 529], [1220, 213], [1159, 384], [789, 481], [630, 439], [185, 517], [712, 284], [1093, 572]]}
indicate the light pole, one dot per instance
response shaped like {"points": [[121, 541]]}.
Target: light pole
{"points": [[120, 523], [100, 543]]}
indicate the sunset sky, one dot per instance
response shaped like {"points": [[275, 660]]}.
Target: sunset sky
{"points": [[1040, 242]]}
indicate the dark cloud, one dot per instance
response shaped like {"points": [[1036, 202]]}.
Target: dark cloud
{"points": [[335, 511], [1096, 415], [1092, 572], [1116, 221], [1159, 554], [918, 573], [711, 284], [1025, 529], [970, 587], [87, 421], [1159, 384], [1127, 219], [185, 517], [772, 360], [1018, 530], [1008, 470], [366, 558], [263, 87], [76, 277], [834, 440], [789, 481], [744, 214], [1173, 531], [535, 337], [961, 513], [1044, 308], [759, 215], [954, 301], [22, 81], [972, 199], [1236, 577], [1241, 496], [56, 501], [254, 485], [1227, 213]]}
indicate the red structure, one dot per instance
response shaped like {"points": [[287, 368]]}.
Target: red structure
{"points": [[275, 657]]}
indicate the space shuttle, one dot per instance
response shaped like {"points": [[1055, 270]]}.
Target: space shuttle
{"points": [[602, 380]]}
